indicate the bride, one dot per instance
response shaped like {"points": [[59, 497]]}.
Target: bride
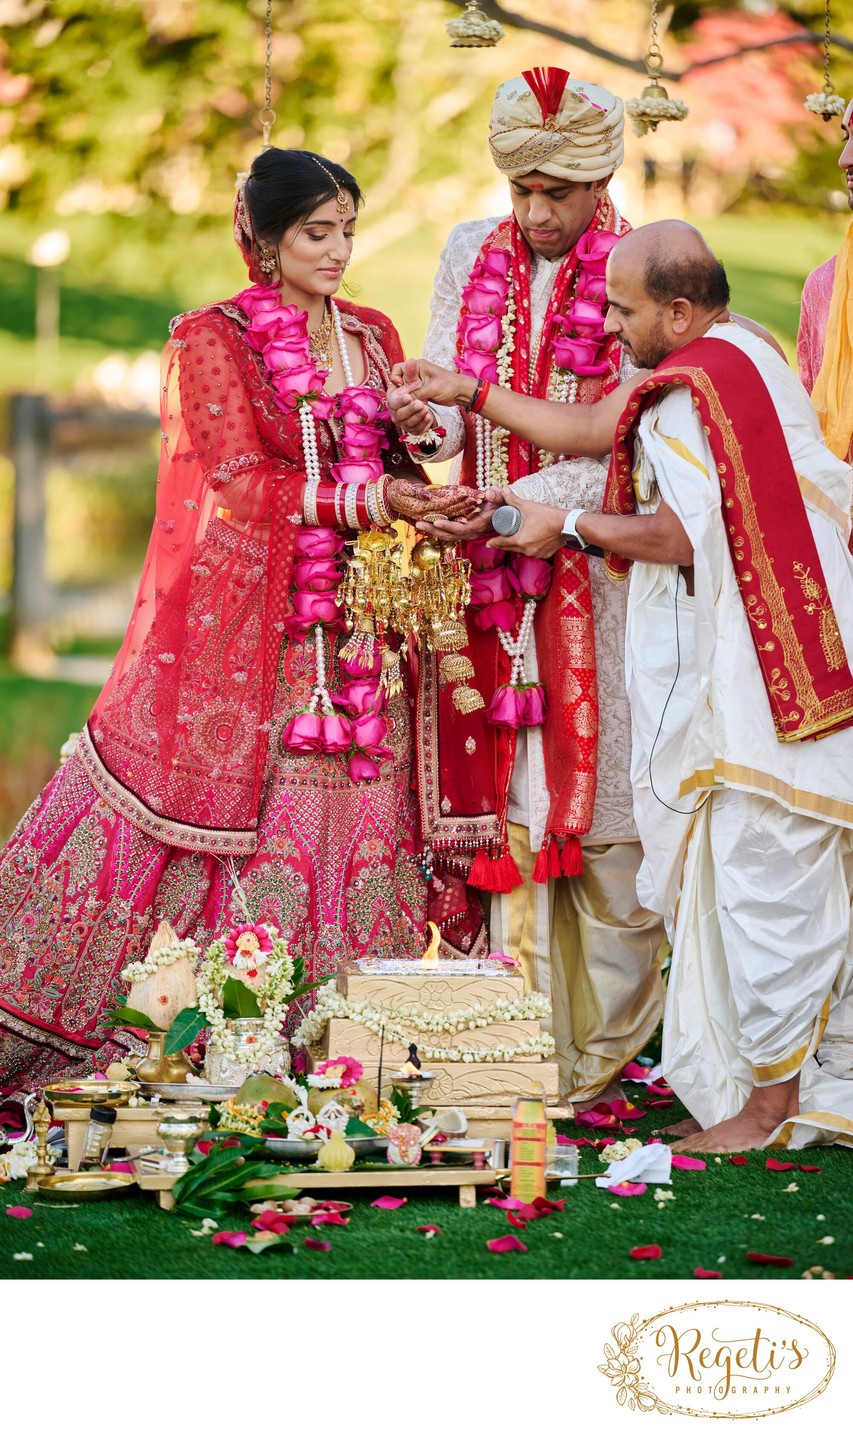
{"points": [[241, 730]]}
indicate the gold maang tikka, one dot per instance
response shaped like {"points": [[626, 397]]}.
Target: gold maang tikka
{"points": [[342, 197]]}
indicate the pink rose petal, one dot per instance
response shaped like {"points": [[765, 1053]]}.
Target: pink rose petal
{"points": [[506, 1202], [430, 1230], [765, 1259], [705, 1272], [681, 1160], [635, 1073], [652, 1252], [230, 1239], [336, 1218], [774, 1166], [387, 1204], [19, 1212], [659, 1090], [623, 1109], [598, 1117], [316, 1245], [627, 1189], [507, 1243]]}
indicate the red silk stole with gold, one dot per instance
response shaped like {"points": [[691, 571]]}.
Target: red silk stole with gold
{"points": [[793, 625], [465, 762]]}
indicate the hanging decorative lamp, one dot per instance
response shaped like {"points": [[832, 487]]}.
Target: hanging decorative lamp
{"points": [[654, 103], [825, 102], [474, 29]]}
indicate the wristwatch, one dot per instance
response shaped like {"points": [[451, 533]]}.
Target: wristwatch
{"points": [[571, 537]]}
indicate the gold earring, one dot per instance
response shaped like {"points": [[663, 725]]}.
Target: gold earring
{"points": [[268, 260]]}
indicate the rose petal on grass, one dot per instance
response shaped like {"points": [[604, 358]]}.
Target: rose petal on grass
{"points": [[545, 1205], [774, 1166], [507, 1243], [337, 1219], [635, 1073], [316, 1245], [388, 1204], [430, 1230], [683, 1160], [659, 1090], [274, 1222], [803, 1168], [515, 1221], [595, 1119], [627, 1189], [738, 1159], [661, 1103], [622, 1108], [19, 1212], [705, 1272], [509, 1203], [642, 1254], [766, 1259], [230, 1239]]}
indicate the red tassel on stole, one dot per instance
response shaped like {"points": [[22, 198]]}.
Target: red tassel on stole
{"points": [[495, 875]]}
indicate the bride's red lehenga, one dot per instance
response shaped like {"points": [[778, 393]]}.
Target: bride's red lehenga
{"points": [[181, 765]]}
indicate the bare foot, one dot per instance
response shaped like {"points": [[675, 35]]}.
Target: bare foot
{"points": [[610, 1094], [761, 1114], [684, 1129]]}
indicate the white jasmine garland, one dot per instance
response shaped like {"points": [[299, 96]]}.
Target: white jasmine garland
{"points": [[148, 966], [824, 104], [502, 1010], [272, 992]]}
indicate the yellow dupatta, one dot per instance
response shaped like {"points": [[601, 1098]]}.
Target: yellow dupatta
{"points": [[833, 391]]}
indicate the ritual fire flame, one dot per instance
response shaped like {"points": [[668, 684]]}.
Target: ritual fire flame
{"points": [[430, 955]]}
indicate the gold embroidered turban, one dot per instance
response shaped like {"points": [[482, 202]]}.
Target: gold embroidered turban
{"points": [[566, 128]]}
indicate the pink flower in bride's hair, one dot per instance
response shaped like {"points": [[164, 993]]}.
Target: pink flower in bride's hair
{"points": [[291, 385], [583, 318], [497, 261], [247, 938], [481, 332], [304, 734], [316, 575], [479, 366], [486, 294], [369, 730], [594, 249], [360, 403], [533, 711], [579, 356], [501, 615], [506, 709], [318, 543], [361, 696], [490, 586], [336, 733], [482, 557], [591, 286], [356, 471], [361, 768], [320, 608], [530, 577]]}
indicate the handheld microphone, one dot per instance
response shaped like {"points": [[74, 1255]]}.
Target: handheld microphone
{"points": [[506, 520]]}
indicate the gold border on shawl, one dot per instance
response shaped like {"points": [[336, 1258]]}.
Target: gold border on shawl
{"points": [[817, 1119], [754, 781], [767, 1073], [816, 497], [224, 841], [817, 713]]}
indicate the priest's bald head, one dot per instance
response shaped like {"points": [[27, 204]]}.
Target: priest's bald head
{"points": [[558, 141], [664, 288]]}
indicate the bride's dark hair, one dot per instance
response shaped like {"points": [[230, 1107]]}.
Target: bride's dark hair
{"points": [[285, 186]]}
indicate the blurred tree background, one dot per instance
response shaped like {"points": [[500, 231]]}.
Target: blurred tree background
{"points": [[124, 122]]}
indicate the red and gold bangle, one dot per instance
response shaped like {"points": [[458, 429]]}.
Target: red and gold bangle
{"points": [[380, 496], [480, 395], [326, 506], [312, 487]]}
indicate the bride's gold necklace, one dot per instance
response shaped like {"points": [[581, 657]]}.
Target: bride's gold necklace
{"points": [[320, 342]]}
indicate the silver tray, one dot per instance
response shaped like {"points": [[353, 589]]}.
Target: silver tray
{"points": [[188, 1092], [298, 1148]]}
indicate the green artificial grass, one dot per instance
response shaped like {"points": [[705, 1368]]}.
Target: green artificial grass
{"points": [[715, 1218]]}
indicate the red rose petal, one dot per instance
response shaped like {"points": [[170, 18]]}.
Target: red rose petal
{"points": [[507, 1243], [594, 1119], [546, 1205], [738, 1160], [316, 1245], [19, 1212], [661, 1103], [659, 1090], [516, 1221], [705, 1272], [774, 1166], [627, 1189], [635, 1073], [765, 1259], [642, 1253], [230, 1239], [621, 1108], [337, 1219], [804, 1168], [388, 1204], [430, 1227], [682, 1160]]}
